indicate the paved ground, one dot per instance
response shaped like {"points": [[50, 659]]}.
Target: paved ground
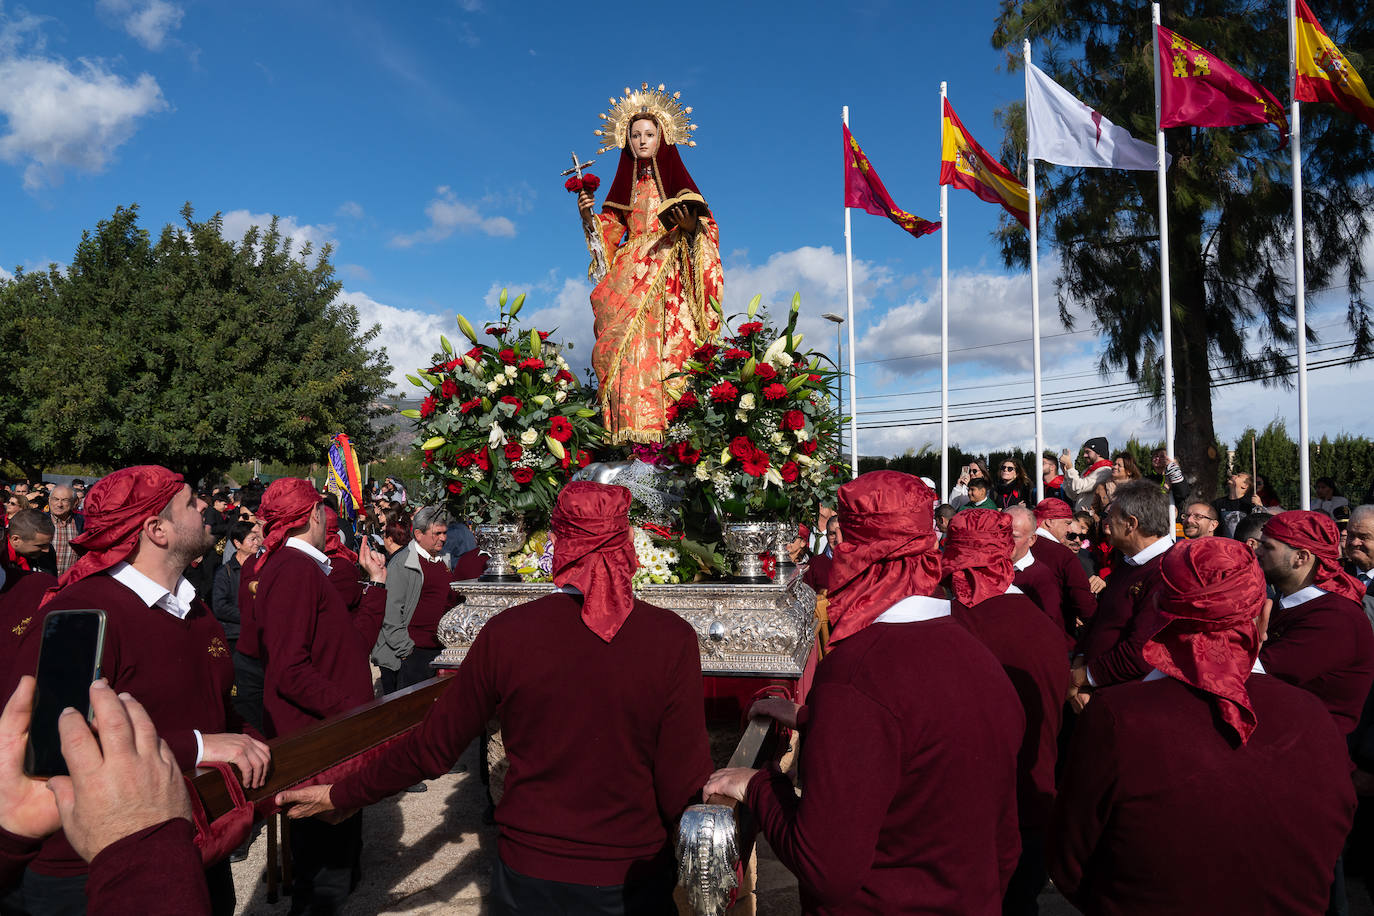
{"points": [[428, 853]]}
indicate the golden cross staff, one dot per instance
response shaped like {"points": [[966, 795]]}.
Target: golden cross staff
{"points": [[597, 269]]}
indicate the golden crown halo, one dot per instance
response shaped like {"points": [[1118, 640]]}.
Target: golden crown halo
{"points": [[663, 107]]}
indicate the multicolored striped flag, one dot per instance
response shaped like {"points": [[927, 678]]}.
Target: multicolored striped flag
{"points": [[344, 480], [965, 164]]}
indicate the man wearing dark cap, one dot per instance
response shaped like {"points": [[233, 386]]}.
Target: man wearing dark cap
{"points": [[1319, 638], [977, 569], [1048, 572], [602, 716], [314, 651], [912, 733], [162, 645], [1079, 487], [1205, 768]]}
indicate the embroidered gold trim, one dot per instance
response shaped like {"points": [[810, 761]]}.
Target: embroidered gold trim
{"points": [[664, 108]]}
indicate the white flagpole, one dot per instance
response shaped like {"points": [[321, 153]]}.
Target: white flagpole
{"points": [[1166, 315], [849, 321], [1299, 278], [1035, 290], [944, 316]]}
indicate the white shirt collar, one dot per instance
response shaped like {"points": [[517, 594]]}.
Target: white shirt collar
{"points": [[1301, 596], [568, 590], [914, 609], [425, 554], [1042, 533], [1025, 561], [1013, 590], [1155, 674], [178, 603], [1149, 553], [309, 550]]}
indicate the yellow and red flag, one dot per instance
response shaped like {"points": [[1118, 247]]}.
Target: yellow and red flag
{"points": [[863, 190], [1324, 75], [965, 164], [1199, 89]]}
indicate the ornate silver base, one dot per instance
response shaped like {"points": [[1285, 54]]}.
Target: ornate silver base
{"points": [[706, 857], [498, 542], [745, 541]]}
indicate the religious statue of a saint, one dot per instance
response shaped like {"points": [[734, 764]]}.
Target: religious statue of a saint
{"points": [[653, 306]]}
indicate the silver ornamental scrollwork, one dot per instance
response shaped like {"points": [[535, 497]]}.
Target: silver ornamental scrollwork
{"points": [[706, 857]]}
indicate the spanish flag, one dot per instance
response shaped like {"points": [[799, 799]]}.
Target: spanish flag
{"points": [[965, 164], [1324, 75]]}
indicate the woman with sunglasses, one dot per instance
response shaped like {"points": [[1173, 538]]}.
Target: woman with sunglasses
{"points": [[1013, 487]]}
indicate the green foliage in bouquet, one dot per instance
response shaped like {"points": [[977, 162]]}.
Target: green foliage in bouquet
{"points": [[756, 425], [503, 425]]}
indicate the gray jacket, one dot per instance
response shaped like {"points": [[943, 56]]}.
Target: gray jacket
{"points": [[404, 579]]}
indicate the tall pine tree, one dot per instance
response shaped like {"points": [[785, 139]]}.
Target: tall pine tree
{"points": [[1230, 200]]}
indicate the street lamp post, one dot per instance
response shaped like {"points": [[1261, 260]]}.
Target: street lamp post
{"points": [[839, 365]]}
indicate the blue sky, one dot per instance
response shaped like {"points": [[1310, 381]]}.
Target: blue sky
{"points": [[424, 141]]}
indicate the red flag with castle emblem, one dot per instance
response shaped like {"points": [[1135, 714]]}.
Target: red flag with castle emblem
{"points": [[864, 190], [1199, 89]]}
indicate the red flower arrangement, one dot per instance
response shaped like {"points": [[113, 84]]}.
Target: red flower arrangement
{"points": [[588, 183]]}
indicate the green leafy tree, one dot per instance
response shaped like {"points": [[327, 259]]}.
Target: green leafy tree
{"points": [[1230, 213], [194, 352]]}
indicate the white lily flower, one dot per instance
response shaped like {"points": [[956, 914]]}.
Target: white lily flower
{"points": [[772, 476], [497, 437]]}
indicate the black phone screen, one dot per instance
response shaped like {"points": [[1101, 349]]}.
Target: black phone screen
{"points": [[68, 660]]}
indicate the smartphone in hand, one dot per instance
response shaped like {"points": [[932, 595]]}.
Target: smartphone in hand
{"points": [[68, 661]]}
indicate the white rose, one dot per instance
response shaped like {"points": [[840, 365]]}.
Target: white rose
{"points": [[741, 415], [493, 387], [510, 371], [529, 437], [747, 402], [776, 437], [561, 396], [701, 473], [802, 435]]}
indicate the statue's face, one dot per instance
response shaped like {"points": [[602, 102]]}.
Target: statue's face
{"points": [[644, 139]]}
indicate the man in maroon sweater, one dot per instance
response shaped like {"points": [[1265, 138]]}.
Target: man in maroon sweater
{"points": [[314, 653], [1110, 648], [21, 586], [1077, 604], [601, 710], [1319, 638], [1206, 768], [162, 645], [977, 568], [124, 808], [910, 733]]}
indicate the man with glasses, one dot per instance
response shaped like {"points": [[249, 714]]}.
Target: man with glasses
{"points": [[1359, 553], [1200, 520], [66, 523]]}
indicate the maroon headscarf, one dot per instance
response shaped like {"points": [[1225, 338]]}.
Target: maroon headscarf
{"points": [[1050, 509], [1316, 533], [977, 555], [334, 547], [594, 552], [115, 509], [673, 177], [1211, 590], [888, 552], [286, 505]]}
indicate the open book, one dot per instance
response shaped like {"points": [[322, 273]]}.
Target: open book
{"points": [[694, 201]]}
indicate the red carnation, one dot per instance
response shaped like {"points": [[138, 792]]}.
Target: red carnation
{"points": [[705, 353], [775, 391], [813, 377], [583, 459], [533, 364], [507, 356], [560, 428], [449, 389], [453, 363], [686, 454], [741, 447], [469, 406], [724, 393], [788, 471], [670, 414], [513, 451], [543, 335], [793, 419], [765, 371], [756, 465], [750, 328], [498, 331], [427, 408], [512, 399], [590, 183], [564, 376], [455, 488], [463, 460], [522, 475], [477, 352], [483, 459], [687, 400], [736, 353], [808, 447]]}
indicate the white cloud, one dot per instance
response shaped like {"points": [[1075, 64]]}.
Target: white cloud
{"points": [[148, 21], [447, 214], [350, 209], [64, 117], [470, 6], [5, 274], [410, 336], [238, 222]]}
